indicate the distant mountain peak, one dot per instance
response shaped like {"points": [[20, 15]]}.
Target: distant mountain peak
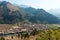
{"points": [[9, 5], [24, 6]]}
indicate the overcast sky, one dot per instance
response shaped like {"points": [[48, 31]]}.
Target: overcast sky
{"points": [[45, 4]]}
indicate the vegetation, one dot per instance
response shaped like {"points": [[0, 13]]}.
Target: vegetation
{"points": [[2, 38], [34, 32], [24, 34], [50, 34]]}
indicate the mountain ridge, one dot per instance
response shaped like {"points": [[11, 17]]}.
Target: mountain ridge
{"points": [[40, 12], [10, 13], [55, 12]]}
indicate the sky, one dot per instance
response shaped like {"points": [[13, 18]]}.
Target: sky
{"points": [[45, 4]]}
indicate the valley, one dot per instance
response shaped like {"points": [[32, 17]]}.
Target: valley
{"points": [[27, 23]]}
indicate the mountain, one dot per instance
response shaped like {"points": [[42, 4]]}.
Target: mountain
{"points": [[55, 12], [41, 15], [24, 6], [10, 13]]}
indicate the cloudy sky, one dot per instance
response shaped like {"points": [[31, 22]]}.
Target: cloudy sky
{"points": [[45, 4]]}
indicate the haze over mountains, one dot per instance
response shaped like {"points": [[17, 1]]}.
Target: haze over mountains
{"points": [[10, 13], [55, 12]]}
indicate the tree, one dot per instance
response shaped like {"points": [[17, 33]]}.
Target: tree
{"points": [[18, 35], [24, 34], [34, 32], [12, 37]]}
